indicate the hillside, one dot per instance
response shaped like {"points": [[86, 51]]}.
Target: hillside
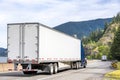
{"points": [[109, 34], [103, 45], [83, 28], [3, 52]]}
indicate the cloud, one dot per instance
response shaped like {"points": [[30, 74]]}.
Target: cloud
{"points": [[53, 12], [45, 10]]}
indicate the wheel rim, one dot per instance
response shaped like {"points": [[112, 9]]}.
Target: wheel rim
{"points": [[77, 65], [55, 68], [51, 68]]}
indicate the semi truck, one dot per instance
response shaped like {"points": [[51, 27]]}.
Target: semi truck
{"points": [[37, 47]]}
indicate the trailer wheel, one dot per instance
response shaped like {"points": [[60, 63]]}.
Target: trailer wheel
{"points": [[50, 67], [77, 65], [29, 72], [55, 68], [71, 65]]}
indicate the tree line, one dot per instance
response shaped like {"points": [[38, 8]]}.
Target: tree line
{"points": [[112, 51]]}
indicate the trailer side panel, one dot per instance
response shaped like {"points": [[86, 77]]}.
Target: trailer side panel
{"points": [[56, 46]]}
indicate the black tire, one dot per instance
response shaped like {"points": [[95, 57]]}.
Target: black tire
{"points": [[71, 65], [77, 65], [85, 64], [30, 72], [51, 69], [55, 70]]}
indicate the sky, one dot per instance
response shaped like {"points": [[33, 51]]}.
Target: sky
{"points": [[53, 12]]}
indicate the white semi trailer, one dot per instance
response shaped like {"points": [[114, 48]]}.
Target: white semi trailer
{"points": [[37, 47]]}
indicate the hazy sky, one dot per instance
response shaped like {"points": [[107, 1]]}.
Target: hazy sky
{"points": [[53, 12]]}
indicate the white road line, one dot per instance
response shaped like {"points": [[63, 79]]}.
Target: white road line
{"points": [[58, 75], [54, 76], [48, 77]]}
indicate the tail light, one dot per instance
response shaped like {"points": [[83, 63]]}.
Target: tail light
{"points": [[9, 61]]}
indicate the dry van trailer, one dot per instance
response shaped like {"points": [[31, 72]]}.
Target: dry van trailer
{"points": [[37, 47]]}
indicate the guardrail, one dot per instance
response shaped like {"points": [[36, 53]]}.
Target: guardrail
{"points": [[4, 67]]}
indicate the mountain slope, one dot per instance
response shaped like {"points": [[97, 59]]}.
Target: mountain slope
{"points": [[103, 46], [109, 34], [83, 28]]}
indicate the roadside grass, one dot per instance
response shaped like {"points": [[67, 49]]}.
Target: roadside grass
{"points": [[113, 74], [116, 73], [118, 65]]}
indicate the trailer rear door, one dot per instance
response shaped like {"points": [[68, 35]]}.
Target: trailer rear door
{"points": [[14, 41], [31, 42]]}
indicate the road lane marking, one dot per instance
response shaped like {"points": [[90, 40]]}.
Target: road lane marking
{"points": [[46, 78]]}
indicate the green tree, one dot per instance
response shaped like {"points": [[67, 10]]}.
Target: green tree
{"points": [[106, 26], [93, 37], [99, 55], [116, 19], [115, 48], [103, 50]]}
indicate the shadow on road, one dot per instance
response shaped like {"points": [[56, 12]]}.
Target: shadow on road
{"points": [[20, 74], [15, 74]]}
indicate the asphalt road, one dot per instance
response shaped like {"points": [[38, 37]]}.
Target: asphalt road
{"points": [[95, 71]]}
